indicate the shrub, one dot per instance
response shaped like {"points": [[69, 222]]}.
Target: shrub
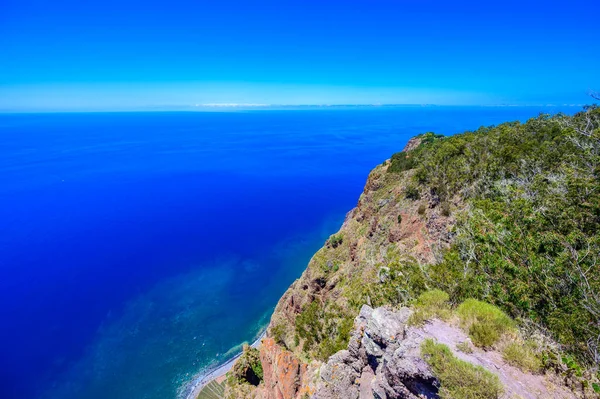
{"points": [[429, 137], [421, 210], [336, 240], [430, 304], [523, 356], [412, 193], [460, 379], [445, 209], [401, 161], [248, 368], [325, 329], [399, 219], [485, 323], [484, 334], [394, 284], [464, 347], [532, 221], [278, 333]]}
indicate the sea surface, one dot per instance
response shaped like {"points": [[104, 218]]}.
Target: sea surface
{"points": [[137, 249]]}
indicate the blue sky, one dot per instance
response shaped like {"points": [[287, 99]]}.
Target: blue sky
{"points": [[62, 55]]}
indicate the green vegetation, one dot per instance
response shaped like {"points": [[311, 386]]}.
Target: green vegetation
{"points": [[336, 240], [212, 390], [525, 198], [278, 333], [528, 239], [395, 284], [324, 329], [430, 304], [248, 368], [399, 219], [464, 347], [445, 209], [404, 161], [459, 379], [485, 323], [412, 192], [523, 355]]}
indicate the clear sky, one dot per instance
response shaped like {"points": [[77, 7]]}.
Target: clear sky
{"points": [[120, 54]]}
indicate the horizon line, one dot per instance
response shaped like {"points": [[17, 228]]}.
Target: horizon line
{"points": [[252, 106]]}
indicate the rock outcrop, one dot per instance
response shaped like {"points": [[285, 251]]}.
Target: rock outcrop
{"points": [[382, 361], [283, 371]]}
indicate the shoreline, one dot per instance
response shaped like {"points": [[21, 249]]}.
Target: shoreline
{"points": [[212, 373]]}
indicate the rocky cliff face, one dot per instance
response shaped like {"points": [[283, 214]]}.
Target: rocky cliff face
{"points": [[384, 360], [386, 228], [387, 235], [283, 372], [340, 330]]}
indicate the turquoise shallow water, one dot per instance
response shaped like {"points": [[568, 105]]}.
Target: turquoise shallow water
{"points": [[139, 248]]}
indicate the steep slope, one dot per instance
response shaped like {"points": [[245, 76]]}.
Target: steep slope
{"points": [[507, 214]]}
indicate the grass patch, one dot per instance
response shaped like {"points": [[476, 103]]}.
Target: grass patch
{"points": [[464, 347], [485, 323], [459, 379], [429, 305], [522, 355]]}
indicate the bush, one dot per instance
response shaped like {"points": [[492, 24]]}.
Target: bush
{"points": [[336, 240], [523, 356], [460, 379], [464, 347], [401, 161], [248, 368], [278, 332], [484, 334], [394, 284], [399, 219], [445, 209], [421, 210], [412, 193], [531, 225], [485, 323], [430, 304], [325, 329]]}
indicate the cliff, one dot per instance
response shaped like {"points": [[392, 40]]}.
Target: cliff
{"points": [[508, 215]]}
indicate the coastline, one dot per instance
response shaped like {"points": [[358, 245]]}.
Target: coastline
{"points": [[212, 373]]}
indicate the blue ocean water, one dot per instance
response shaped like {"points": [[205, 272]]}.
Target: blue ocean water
{"points": [[138, 248]]}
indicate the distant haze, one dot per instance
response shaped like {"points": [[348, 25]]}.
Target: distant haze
{"points": [[130, 54]]}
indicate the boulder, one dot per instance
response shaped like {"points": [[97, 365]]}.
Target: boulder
{"points": [[382, 361]]}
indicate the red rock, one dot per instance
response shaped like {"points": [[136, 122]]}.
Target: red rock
{"points": [[283, 371]]}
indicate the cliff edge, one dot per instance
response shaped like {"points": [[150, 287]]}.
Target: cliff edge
{"points": [[503, 224]]}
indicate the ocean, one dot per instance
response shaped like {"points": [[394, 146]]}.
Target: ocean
{"points": [[136, 249]]}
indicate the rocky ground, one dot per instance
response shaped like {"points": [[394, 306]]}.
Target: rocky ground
{"points": [[383, 360]]}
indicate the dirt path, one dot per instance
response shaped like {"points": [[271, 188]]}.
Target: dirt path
{"points": [[516, 383]]}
